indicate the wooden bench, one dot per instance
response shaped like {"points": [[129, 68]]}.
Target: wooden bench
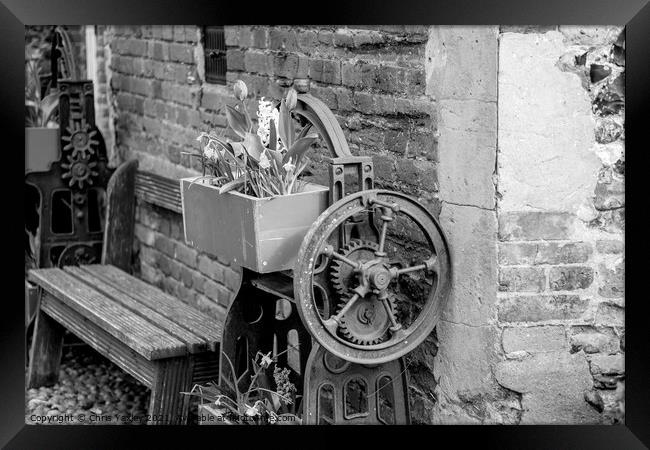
{"points": [[161, 341]]}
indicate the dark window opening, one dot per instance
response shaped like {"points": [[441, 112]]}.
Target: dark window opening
{"points": [[356, 398], [326, 405], [62, 211], [214, 45], [385, 400]]}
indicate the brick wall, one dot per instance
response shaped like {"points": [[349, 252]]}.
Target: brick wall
{"points": [[165, 261], [372, 78], [561, 221], [533, 204]]}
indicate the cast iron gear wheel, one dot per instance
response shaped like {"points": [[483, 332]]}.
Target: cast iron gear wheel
{"points": [[367, 321], [80, 139], [79, 170], [342, 275]]}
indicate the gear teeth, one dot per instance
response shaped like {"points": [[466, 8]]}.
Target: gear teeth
{"points": [[350, 336], [335, 271]]}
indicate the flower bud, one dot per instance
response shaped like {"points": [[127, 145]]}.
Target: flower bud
{"points": [[292, 99], [241, 91]]}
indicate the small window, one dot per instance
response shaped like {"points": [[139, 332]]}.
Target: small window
{"points": [[356, 398], [214, 44], [385, 400], [326, 405]]}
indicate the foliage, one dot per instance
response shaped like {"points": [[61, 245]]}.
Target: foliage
{"points": [[41, 108], [262, 164], [258, 404]]}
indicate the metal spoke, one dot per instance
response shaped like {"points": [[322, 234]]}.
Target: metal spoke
{"points": [[329, 251], [430, 264], [394, 325], [333, 322], [386, 218]]}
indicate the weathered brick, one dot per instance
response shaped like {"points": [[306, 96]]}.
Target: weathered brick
{"points": [[232, 278], [211, 268], [364, 74], [534, 225], [170, 285], [260, 37], [521, 279], [164, 244], [569, 253], [198, 281], [186, 95], [517, 253], [177, 230], [307, 40], [343, 38], [156, 31], [167, 32], [137, 47], [610, 247], [258, 62], [612, 279], [191, 33], [186, 276], [181, 52], [164, 264], [290, 65], [280, 39], [610, 192], [592, 339], [235, 59], [611, 314], [150, 274], [179, 33], [159, 51], [231, 36], [325, 70], [533, 339], [175, 268], [210, 307], [145, 235], [384, 166], [569, 278], [186, 255], [538, 308], [607, 370], [217, 292]]}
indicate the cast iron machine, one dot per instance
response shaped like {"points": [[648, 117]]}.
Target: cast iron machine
{"points": [[357, 299]]}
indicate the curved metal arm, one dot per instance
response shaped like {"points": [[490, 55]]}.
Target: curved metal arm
{"points": [[321, 117]]}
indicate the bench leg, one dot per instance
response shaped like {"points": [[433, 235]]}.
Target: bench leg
{"points": [[45, 354], [168, 406]]}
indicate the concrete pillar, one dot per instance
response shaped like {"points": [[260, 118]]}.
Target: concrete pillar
{"points": [[461, 67]]}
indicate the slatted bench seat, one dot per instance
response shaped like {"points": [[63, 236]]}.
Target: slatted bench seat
{"points": [[161, 341], [164, 343]]}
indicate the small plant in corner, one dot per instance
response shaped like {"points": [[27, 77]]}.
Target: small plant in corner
{"points": [[264, 163], [258, 404]]}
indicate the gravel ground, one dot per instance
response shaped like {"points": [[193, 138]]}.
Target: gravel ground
{"points": [[91, 390]]}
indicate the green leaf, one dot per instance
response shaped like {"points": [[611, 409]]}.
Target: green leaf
{"points": [[49, 106], [277, 156], [299, 148], [231, 185], [253, 146], [285, 125], [273, 135], [236, 121]]}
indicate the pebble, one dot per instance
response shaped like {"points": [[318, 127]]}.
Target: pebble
{"points": [[88, 382]]}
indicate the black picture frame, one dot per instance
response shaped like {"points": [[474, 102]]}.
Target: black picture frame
{"points": [[634, 14]]}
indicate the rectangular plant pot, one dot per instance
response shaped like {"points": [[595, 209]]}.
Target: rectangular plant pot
{"points": [[41, 148], [261, 234]]}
